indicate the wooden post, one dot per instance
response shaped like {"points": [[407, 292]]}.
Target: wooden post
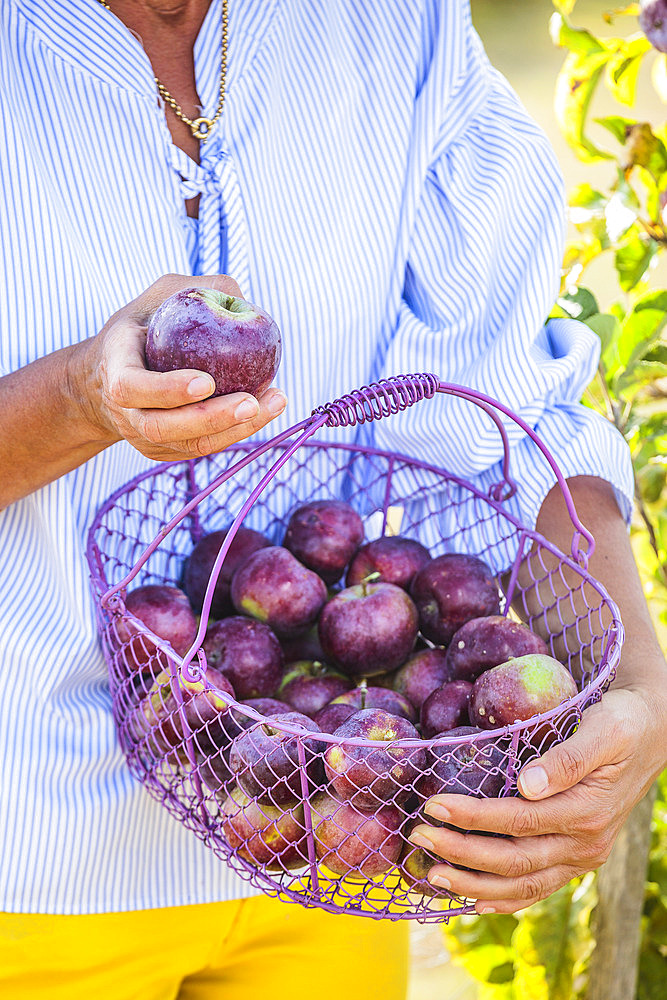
{"points": [[614, 963]]}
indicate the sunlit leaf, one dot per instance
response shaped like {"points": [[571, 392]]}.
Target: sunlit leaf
{"points": [[617, 125], [578, 305], [607, 327], [643, 148], [574, 90], [564, 6], [576, 40], [623, 69], [633, 259]]}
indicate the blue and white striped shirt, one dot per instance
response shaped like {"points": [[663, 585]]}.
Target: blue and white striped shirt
{"points": [[378, 188]]}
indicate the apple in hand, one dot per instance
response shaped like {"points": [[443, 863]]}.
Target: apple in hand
{"points": [[352, 842], [445, 709], [394, 558], [451, 589], [517, 690], [324, 535], [263, 834], [309, 685], [363, 696], [248, 653], [237, 343], [485, 642], [199, 564], [415, 863], [275, 588], [265, 758], [421, 674], [368, 629], [380, 772]]}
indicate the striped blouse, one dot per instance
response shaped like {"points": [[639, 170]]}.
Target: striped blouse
{"points": [[379, 189]]}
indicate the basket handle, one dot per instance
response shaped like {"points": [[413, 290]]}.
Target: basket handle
{"points": [[391, 395]]}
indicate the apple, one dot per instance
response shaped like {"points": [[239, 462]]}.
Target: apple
{"points": [[265, 758], [380, 771], [421, 674], [653, 22], [363, 696], [303, 647], [394, 558], [236, 343], [368, 629], [166, 611], [449, 591], [415, 863], [445, 709], [248, 653], [309, 685], [324, 535], [518, 689], [198, 566], [352, 842], [468, 768], [485, 642], [275, 588], [333, 715], [263, 834]]}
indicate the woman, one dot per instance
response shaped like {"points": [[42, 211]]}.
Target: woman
{"points": [[362, 173]]}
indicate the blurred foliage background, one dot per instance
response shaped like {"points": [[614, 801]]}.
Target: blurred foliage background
{"points": [[589, 76]]}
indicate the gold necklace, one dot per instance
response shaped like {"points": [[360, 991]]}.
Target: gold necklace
{"points": [[200, 127]]}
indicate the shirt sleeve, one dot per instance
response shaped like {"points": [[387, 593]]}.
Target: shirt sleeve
{"points": [[481, 275]]}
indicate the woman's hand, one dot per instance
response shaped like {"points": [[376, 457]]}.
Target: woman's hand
{"points": [[574, 801], [164, 415]]}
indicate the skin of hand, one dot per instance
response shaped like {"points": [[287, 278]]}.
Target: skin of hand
{"points": [[62, 409], [573, 800], [164, 415]]}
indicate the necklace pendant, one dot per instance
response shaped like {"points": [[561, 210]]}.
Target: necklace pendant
{"points": [[201, 128]]}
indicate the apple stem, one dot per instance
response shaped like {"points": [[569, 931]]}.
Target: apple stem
{"points": [[363, 686], [371, 578]]}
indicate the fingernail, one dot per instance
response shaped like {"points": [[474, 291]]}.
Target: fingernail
{"points": [[246, 410], [277, 403], [436, 811], [533, 780], [419, 840], [440, 881], [201, 386], [485, 909]]}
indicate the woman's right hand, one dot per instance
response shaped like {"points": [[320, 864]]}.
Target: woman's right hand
{"points": [[166, 416]]}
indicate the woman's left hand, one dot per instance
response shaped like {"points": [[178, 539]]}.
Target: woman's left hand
{"points": [[574, 801]]}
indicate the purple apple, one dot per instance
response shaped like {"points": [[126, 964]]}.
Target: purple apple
{"points": [[199, 564], [303, 647], [265, 758], [415, 863], [275, 588], [368, 629], [263, 834], [237, 343], [379, 772], [355, 843], [517, 690], [421, 674], [449, 591], [309, 685], [333, 715], [166, 611], [485, 642], [248, 653], [653, 22], [390, 701], [396, 559], [445, 708], [324, 535], [477, 768]]}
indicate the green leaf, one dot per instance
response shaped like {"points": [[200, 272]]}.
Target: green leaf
{"points": [[607, 327], [564, 6], [623, 68], [576, 40], [644, 149], [632, 260], [585, 196], [616, 125], [575, 87], [578, 305], [640, 331]]}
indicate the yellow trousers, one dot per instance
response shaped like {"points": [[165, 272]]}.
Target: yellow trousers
{"points": [[257, 947]]}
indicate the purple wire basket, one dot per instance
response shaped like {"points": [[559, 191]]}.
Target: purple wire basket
{"points": [[272, 810]]}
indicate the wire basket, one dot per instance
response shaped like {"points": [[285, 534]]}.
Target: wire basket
{"points": [[264, 792]]}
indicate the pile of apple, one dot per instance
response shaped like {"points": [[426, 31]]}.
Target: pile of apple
{"points": [[404, 658]]}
